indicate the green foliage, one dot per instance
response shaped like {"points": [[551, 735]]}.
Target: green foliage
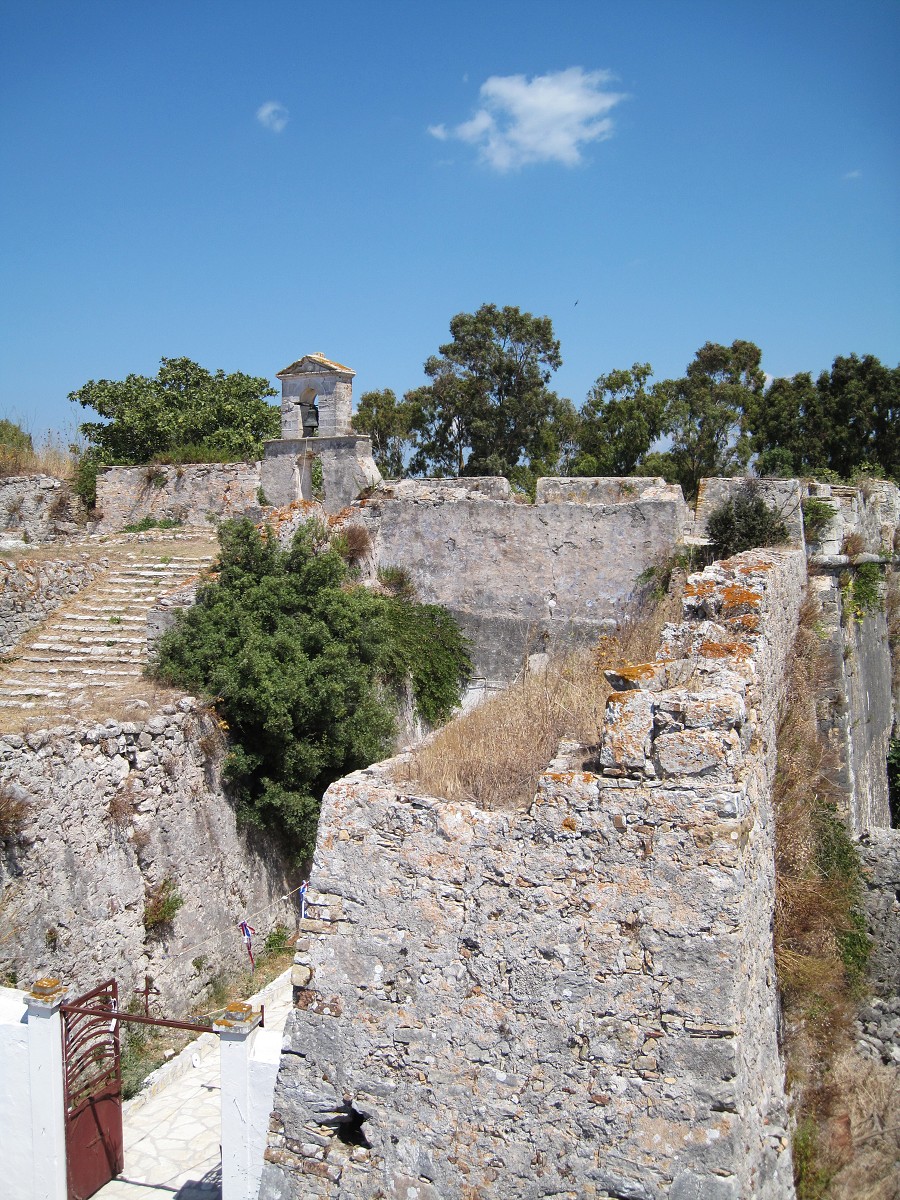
{"points": [[702, 413], [844, 421], [84, 483], [388, 422], [194, 453], [317, 479], [618, 423], [277, 940], [13, 437], [398, 581], [893, 770], [304, 666], [837, 861], [861, 590], [744, 521], [811, 1178], [146, 523], [261, 498], [817, 516], [488, 410], [161, 904], [183, 406]]}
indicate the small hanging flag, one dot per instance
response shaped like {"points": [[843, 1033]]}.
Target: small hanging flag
{"points": [[303, 889], [247, 931]]}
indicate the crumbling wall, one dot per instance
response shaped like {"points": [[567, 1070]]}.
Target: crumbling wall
{"points": [[112, 811], [32, 588], [522, 578], [193, 494], [38, 508], [577, 1000]]}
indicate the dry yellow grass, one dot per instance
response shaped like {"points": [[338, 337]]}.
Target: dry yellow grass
{"points": [[494, 755], [866, 1138], [51, 456]]}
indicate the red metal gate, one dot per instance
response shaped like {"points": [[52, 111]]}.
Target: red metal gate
{"points": [[93, 1088]]}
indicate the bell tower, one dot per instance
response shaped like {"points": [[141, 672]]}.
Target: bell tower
{"points": [[316, 398], [317, 439]]}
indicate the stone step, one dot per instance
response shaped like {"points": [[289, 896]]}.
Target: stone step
{"points": [[50, 675]]}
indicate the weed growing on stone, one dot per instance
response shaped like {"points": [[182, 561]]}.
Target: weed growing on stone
{"points": [[817, 516], [853, 544], [13, 813], [161, 904], [861, 591]]}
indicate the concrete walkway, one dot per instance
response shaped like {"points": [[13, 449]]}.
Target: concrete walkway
{"points": [[172, 1124]]}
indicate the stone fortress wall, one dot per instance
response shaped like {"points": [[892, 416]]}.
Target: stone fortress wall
{"points": [[573, 1000], [113, 811], [519, 577]]}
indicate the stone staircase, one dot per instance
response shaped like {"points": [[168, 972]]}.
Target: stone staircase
{"points": [[91, 652]]}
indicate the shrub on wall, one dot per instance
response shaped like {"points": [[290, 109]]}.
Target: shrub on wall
{"points": [[743, 522], [306, 669]]}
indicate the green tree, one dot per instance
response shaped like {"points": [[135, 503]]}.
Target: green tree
{"points": [[703, 412], [785, 425], [619, 422], [387, 422], [306, 669], [860, 402], [847, 421], [488, 410], [183, 407]]}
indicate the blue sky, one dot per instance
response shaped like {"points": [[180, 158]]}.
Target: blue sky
{"points": [[245, 182]]}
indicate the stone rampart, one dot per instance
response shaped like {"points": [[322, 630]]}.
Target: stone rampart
{"points": [[38, 508], [522, 578], [32, 588], [193, 493], [575, 1000], [113, 812]]}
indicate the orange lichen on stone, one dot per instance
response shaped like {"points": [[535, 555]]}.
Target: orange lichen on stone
{"points": [[734, 596], [749, 622], [636, 671], [739, 650], [705, 587], [570, 823], [749, 568]]}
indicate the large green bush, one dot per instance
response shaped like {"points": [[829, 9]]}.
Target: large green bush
{"points": [[306, 668], [743, 522]]}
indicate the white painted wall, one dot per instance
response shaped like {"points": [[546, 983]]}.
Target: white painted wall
{"points": [[15, 1097]]}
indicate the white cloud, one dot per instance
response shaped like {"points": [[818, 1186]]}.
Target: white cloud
{"points": [[852, 175], [545, 119], [272, 115]]}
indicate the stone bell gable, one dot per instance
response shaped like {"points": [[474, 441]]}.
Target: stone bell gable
{"points": [[317, 432], [316, 395]]}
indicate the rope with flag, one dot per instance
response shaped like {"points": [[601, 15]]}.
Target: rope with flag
{"points": [[247, 932]]}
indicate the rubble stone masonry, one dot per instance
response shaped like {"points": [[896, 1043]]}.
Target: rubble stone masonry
{"points": [[573, 1000], [112, 811]]}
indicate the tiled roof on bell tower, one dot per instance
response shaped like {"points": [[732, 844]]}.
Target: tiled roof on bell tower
{"points": [[315, 364]]}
